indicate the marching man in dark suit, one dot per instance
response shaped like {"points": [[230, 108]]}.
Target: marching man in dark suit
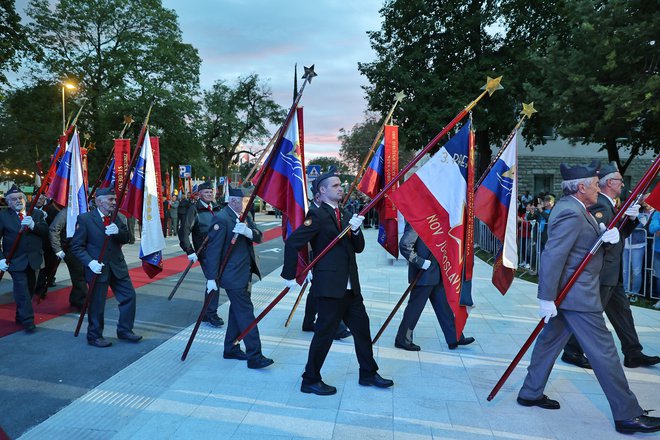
{"points": [[91, 229], [236, 277], [429, 286], [197, 222], [572, 231], [27, 258], [336, 286], [612, 295]]}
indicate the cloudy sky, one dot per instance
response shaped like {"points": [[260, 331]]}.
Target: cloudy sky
{"points": [[239, 37]]}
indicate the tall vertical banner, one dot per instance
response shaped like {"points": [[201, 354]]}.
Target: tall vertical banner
{"points": [[388, 225], [122, 162], [155, 151], [77, 203], [83, 157]]}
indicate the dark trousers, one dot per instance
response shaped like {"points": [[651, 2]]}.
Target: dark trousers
{"points": [[23, 283], [212, 309], [50, 260], [331, 311], [617, 308], [241, 314], [78, 284], [310, 314], [415, 307], [125, 295]]}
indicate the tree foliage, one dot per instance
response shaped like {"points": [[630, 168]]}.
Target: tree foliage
{"points": [[123, 55], [236, 115], [355, 143], [13, 39]]}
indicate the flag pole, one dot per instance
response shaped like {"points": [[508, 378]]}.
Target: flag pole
{"points": [[492, 85], [120, 200], [398, 98], [309, 74], [295, 305], [527, 112], [44, 184], [411, 286], [261, 156], [636, 193]]}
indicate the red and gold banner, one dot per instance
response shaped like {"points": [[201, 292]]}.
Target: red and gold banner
{"points": [[155, 151], [122, 162], [391, 166]]}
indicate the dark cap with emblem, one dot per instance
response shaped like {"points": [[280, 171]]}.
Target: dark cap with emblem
{"points": [[109, 191], [205, 185], [608, 168], [13, 190], [236, 192], [332, 172], [579, 171]]}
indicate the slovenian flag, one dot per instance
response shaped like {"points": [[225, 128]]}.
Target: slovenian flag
{"points": [[373, 178], [59, 187], [110, 176], [77, 203], [433, 201], [495, 204]]}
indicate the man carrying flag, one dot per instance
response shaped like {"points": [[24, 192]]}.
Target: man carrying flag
{"points": [[86, 244]]}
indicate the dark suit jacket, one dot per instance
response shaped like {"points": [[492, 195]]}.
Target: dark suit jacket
{"points": [[415, 251], [572, 231], [242, 261], [332, 272], [603, 212], [30, 249], [88, 239], [197, 221]]}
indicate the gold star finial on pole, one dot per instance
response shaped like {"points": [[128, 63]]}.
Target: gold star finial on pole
{"points": [[528, 110], [492, 84], [399, 96]]}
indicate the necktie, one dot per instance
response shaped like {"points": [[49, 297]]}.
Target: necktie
{"points": [[20, 216], [338, 214], [106, 220], [210, 208]]}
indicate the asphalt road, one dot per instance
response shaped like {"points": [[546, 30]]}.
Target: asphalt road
{"points": [[45, 371]]}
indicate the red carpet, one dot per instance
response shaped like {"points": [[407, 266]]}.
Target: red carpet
{"points": [[57, 302]]}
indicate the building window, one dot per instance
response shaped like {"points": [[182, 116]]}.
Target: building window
{"points": [[543, 183]]}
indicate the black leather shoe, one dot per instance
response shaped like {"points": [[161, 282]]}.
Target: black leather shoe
{"points": [[462, 341], [261, 362], [579, 360], [214, 320], [407, 346], [30, 328], [130, 337], [641, 361], [235, 354], [343, 334], [376, 380], [642, 423], [100, 343], [544, 402], [319, 388]]}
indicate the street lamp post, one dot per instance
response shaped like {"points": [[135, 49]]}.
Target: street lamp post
{"points": [[65, 85]]}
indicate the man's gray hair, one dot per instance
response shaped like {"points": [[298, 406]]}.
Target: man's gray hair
{"points": [[603, 180], [570, 187]]}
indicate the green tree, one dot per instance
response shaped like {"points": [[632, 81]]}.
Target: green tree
{"points": [[355, 143], [439, 53], [13, 40], [233, 116], [123, 55], [597, 70]]}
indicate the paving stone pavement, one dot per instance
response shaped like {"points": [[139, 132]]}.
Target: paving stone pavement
{"points": [[438, 393]]}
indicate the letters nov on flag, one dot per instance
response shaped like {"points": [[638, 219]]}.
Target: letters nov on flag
{"points": [[437, 214]]}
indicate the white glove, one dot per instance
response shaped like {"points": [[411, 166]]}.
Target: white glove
{"points": [[426, 265], [192, 257], [60, 255], [356, 222], [309, 277], [633, 211], [95, 267], [3, 265], [27, 221], [610, 236], [211, 285], [243, 229], [547, 310], [111, 229], [291, 284]]}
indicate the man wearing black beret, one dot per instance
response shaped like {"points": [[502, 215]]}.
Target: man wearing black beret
{"points": [[26, 260]]}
